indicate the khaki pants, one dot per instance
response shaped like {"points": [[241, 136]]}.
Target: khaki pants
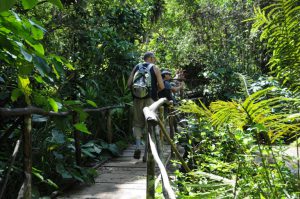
{"points": [[139, 121]]}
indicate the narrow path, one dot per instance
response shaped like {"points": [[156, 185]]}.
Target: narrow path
{"points": [[120, 178]]}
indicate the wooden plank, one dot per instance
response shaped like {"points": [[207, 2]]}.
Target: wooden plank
{"points": [[130, 154], [138, 194], [121, 178], [119, 169], [132, 164], [110, 191]]}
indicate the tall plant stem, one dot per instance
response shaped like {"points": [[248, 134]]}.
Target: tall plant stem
{"points": [[236, 180], [264, 163], [298, 161], [276, 163]]}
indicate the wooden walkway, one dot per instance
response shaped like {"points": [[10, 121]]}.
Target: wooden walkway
{"points": [[120, 178]]}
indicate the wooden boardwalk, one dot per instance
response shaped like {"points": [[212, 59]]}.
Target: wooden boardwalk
{"points": [[120, 178]]}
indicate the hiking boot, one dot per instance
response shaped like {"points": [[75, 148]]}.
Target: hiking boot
{"points": [[137, 154]]}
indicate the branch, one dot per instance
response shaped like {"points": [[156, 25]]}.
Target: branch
{"points": [[216, 178], [13, 157], [9, 112]]}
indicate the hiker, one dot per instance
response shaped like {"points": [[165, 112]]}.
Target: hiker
{"points": [[169, 89], [144, 81]]}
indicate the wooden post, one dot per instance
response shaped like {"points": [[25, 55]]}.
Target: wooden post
{"points": [[161, 117], [27, 140], [109, 127], [150, 194], [171, 124], [185, 166], [77, 141]]}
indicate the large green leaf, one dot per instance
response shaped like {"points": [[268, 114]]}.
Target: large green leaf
{"points": [[35, 24], [36, 31], [23, 83], [26, 55], [16, 93], [91, 103], [58, 137], [57, 3], [58, 68], [41, 65], [114, 149], [25, 69], [28, 4], [53, 104], [38, 47], [62, 171], [6, 4], [82, 127]]}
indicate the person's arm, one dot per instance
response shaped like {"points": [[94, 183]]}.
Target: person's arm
{"points": [[177, 88], [160, 82]]}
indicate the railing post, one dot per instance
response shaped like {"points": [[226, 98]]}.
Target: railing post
{"points": [[77, 141], [162, 118], [150, 194], [109, 127], [171, 125], [27, 140]]}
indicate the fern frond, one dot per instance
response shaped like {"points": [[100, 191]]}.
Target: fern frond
{"points": [[256, 96], [191, 107], [280, 31], [228, 112], [259, 108]]}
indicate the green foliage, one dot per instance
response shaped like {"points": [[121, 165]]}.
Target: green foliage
{"points": [[279, 27], [258, 109], [224, 140], [210, 41], [27, 4]]}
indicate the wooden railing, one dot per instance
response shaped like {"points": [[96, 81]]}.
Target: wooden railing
{"points": [[155, 153], [26, 189]]}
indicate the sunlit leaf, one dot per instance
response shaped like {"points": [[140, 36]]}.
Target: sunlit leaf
{"points": [[16, 93], [39, 48], [57, 3], [82, 127], [91, 103], [28, 4], [23, 83], [53, 104]]}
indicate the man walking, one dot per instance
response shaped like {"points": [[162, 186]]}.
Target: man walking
{"points": [[145, 81]]}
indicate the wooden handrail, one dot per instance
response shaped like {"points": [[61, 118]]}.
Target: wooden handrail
{"points": [[26, 189], [10, 112], [166, 182], [152, 120]]}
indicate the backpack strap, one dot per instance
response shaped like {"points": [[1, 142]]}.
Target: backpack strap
{"points": [[149, 66]]}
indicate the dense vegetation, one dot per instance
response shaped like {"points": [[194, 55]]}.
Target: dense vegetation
{"points": [[240, 57]]}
